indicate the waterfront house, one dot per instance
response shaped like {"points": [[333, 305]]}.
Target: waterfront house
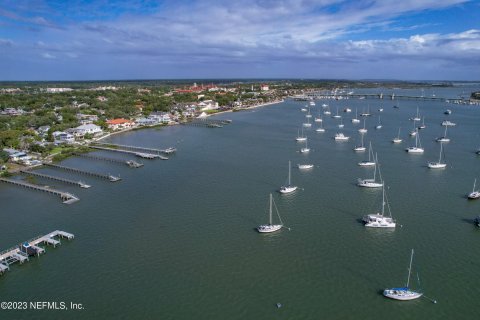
{"points": [[84, 129], [17, 156], [63, 137], [162, 117], [146, 121], [119, 124]]}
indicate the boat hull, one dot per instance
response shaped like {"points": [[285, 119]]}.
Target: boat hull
{"points": [[287, 189], [401, 294], [267, 228]]}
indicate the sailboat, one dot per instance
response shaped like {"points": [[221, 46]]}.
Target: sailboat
{"points": [[417, 117], [366, 114], [444, 138], [363, 130], [418, 147], [305, 166], [403, 293], [300, 138], [341, 125], [413, 133], [304, 109], [270, 227], [327, 112], [370, 162], [439, 164], [288, 188], [475, 194], [337, 116], [307, 124], [341, 137], [306, 148], [308, 115], [379, 125], [422, 126], [379, 220], [320, 129], [397, 139], [356, 120], [360, 148], [372, 183], [319, 118]]}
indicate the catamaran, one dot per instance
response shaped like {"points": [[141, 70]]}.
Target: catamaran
{"points": [[356, 120], [397, 139], [418, 147], [300, 138], [404, 293], [370, 162], [372, 183], [270, 227], [439, 164], [288, 188], [444, 138], [475, 194], [379, 220]]}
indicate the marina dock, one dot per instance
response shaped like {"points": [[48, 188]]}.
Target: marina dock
{"points": [[66, 197], [46, 176], [109, 177], [138, 154], [205, 122], [23, 251], [140, 149], [130, 163]]}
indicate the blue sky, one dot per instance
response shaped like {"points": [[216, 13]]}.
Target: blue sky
{"points": [[143, 39]]}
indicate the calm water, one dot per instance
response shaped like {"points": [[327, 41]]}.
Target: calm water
{"points": [[176, 240]]}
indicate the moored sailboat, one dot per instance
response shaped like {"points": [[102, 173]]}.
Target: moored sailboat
{"points": [[288, 188], [270, 227], [404, 293], [439, 164], [379, 220]]}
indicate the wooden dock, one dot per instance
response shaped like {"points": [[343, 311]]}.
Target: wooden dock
{"points": [[206, 122], [66, 197], [138, 154], [130, 163], [109, 177], [16, 254], [46, 176], [139, 149]]}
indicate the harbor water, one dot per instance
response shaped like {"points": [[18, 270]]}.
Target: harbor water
{"points": [[176, 239]]}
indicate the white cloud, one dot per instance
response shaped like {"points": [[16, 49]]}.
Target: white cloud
{"points": [[47, 55]]}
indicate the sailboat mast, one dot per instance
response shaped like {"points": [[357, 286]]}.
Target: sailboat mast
{"points": [[474, 183], [383, 199], [440, 158], [375, 169], [410, 269], [289, 173], [270, 211]]}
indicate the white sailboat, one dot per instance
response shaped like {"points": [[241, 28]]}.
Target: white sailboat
{"points": [[397, 139], [413, 133], [307, 124], [305, 166], [379, 125], [448, 123], [379, 220], [417, 117], [319, 118], [370, 162], [320, 129], [306, 148], [363, 130], [337, 116], [270, 227], [418, 147], [404, 293], [372, 183], [327, 111], [422, 126], [360, 148], [439, 164], [366, 114], [300, 138], [312, 103], [288, 188], [308, 115], [356, 120], [341, 137], [444, 138], [475, 194], [341, 125]]}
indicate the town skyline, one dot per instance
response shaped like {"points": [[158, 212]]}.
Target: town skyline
{"points": [[116, 40]]}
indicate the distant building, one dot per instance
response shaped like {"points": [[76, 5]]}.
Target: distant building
{"points": [[57, 90], [162, 117], [118, 124], [264, 87], [63, 137], [84, 129]]}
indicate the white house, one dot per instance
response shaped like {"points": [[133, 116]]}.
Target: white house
{"points": [[63, 137], [84, 129], [208, 105]]}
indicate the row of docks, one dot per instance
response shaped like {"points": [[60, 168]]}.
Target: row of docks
{"points": [[209, 123], [66, 197], [130, 163], [22, 252]]}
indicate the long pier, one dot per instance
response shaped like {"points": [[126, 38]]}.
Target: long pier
{"points": [[138, 154], [205, 122], [23, 251], [95, 174], [140, 149], [130, 163], [66, 197], [382, 96], [46, 176]]}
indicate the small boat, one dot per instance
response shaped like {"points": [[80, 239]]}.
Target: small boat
{"points": [[303, 110], [404, 293], [324, 105], [360, 148], [397, 139], [371, 183], [475, 194], [320, 129], [379, 220], [312, 103], [270, 227], [447, 123], [366, 114], [444, 138], [327, 112], [380, 110], [422, 126], [418, 147], [300, 138], [379, 125], [347, 110], [341, 125], [439, 164], [417, 117], [308, 115], [363, 130], [337, 116], [305, 166], [306, 148], [370, 162], [447, 112], [356, 120], [319, 119], [288, 188], [413, 133], [341, 137]]}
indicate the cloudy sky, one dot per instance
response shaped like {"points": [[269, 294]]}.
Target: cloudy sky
{"points": [[143, 39]]}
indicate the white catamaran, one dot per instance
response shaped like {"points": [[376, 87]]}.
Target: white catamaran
{"points": [[404, 293], [270, 227], [418, 147], [379, 220], [288, 188]]}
